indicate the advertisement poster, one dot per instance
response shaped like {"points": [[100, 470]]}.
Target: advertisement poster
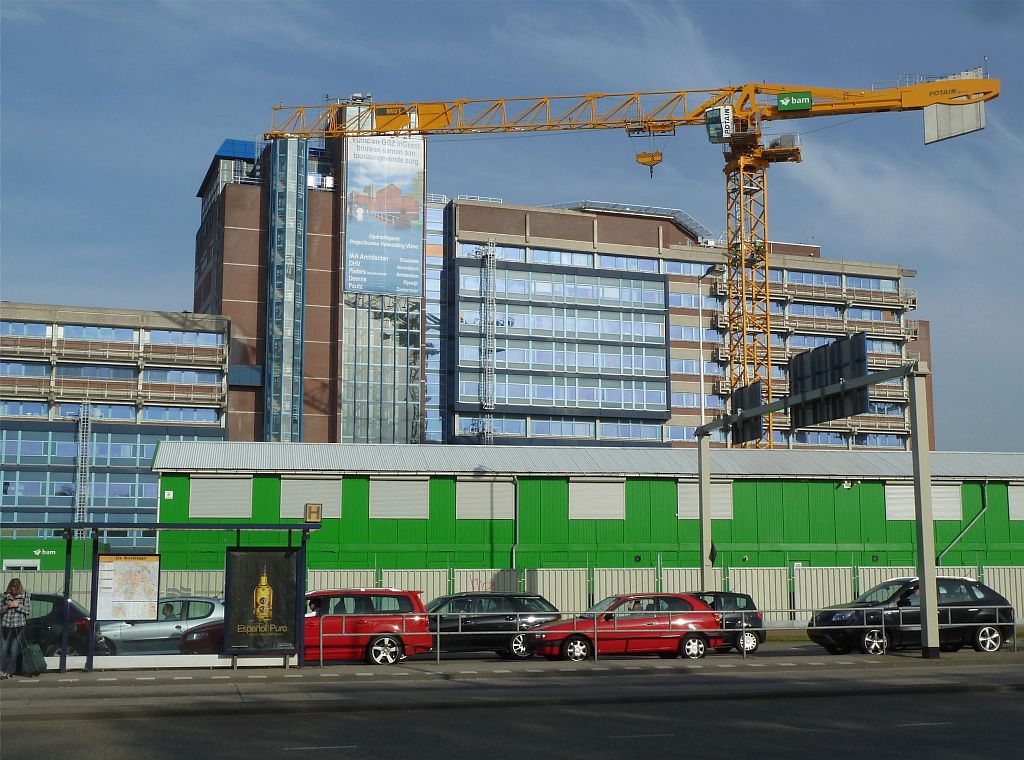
{"points": [[128, 587], [384, 218], [259, 600]]}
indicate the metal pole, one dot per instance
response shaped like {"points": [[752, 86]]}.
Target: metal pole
{"points": [[90, 649], [300, 607], [704, 507], [65, 617], [923, 513]]}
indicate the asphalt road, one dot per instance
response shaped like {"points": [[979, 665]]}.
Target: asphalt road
{"points": [[790, 699]]}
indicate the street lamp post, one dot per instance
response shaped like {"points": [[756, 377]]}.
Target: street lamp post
{"points": [[715, 270]]}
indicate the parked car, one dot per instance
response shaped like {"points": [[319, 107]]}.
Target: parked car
{"points": [[889, 617], [175, 616], [378, 625], [669, 625], [492, 620], [207, 638], [740, 614], [45, 623]]}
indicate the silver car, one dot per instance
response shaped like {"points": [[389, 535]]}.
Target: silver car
{"points": [[175, 615]]}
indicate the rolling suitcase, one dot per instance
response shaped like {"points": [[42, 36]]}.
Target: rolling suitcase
{"points": [[32, 661]]}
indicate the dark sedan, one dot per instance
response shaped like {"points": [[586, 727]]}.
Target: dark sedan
{"points": [[741, 619], [491, 620], [47, 619], [889, 617]]}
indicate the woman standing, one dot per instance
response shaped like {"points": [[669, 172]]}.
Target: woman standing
{"points": [[15, 607]]}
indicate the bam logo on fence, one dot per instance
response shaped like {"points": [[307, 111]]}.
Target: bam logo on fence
{"points": [[795, 101], [44, 552]]}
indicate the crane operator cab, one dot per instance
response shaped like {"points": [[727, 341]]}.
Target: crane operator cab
{"points": [[718, 122]]}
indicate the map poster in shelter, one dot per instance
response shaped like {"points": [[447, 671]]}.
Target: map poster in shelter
{"points": [[384, 216], [128, 587], [260, 600]]}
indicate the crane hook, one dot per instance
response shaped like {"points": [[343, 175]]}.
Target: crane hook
{"points": [[649, 159]]}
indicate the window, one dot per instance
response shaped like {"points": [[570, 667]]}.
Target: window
{"points": [[97, 372], [889, 347], [882, 285], [813, 278], [181, 376], [199, 415], [811, 310], [199, 610], [23, 329], [24, 369], [95, 332], [23, 408], [183, 338]]}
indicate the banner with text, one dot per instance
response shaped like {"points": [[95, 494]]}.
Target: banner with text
{"points": [[259, 600], [384, 216]]}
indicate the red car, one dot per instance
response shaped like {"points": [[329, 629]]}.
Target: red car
{"points": [[207, 638], [669, 625], [379, 625]]}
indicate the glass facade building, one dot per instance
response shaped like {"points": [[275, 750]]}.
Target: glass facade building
{"points": [[86, 395]]}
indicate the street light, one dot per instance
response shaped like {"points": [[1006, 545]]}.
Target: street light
{"points": [[715, 270]]}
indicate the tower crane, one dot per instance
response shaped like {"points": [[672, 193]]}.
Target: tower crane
{"points": [[733, 117]]}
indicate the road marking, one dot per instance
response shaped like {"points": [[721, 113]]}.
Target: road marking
{"points": [[594, 668], [67, 680], [501, 671], [787, 664], [467, 672], [255, 676], [695, 667], [145, 678], [844, 662], [329, 675], [916, 725], [755, 665], [724, 665], [638, 736], [538, 670], [106, 679], [293, 675], [633, 667], [815, 663], [397, 673], [663, 667], [219, 677], [364, 675], [335, 746]]}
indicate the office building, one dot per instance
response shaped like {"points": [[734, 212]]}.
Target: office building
{"points": [[86, 394]]}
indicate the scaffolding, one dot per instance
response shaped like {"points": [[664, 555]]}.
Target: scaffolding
{"points": [[488, 264]]}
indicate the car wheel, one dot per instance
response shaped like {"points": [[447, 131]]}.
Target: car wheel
{"points": [[517, 649], [988, 638], [874, 641], [747, 642], [576, 649], [111, 649], [384, 650], [54, 651], [693, 646]]}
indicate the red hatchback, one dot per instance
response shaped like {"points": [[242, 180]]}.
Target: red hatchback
{"points": [[379, 625], [669, 625]]}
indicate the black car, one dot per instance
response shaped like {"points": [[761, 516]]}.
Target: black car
{"points": [[889, 617], [739, 614], [476, 621], [45, 622]]}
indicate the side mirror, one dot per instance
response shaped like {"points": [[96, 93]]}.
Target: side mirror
{"points": [[609, 616]]}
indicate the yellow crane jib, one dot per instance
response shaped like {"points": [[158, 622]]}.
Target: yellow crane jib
{"points": [[732, 117]]}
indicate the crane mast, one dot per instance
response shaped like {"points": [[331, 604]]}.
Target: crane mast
{"points": [[732, 116]]}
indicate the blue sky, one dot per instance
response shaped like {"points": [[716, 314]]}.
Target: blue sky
{"points": [[110, 114]]}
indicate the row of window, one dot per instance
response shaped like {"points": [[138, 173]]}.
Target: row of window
{"points": [[32, 488], [548, 286], [119, 372], [111, 334], [570, 323], [561, 357], [567, 427], [568, 391], [117, 412], [654, 266]]}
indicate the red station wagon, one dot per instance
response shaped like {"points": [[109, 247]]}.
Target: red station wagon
{"points": [[378, 625], [669, 625]]}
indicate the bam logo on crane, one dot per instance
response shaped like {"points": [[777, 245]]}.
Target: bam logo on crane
{"points": [[795, 101]]}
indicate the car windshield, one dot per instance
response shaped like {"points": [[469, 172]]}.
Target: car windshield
{"points": [[880, 593], [604, 604], [436, 603]]}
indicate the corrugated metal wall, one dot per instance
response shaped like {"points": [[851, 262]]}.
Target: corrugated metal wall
{"points": [[486, 580], [1008, 581], [564, 588], [609, 581], [768, 585], [817, 587], [679, 580], [433, 583], [321, 580]]}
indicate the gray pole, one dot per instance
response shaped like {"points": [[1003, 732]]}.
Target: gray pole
{"points": [[923, 513], [704, 507]]}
